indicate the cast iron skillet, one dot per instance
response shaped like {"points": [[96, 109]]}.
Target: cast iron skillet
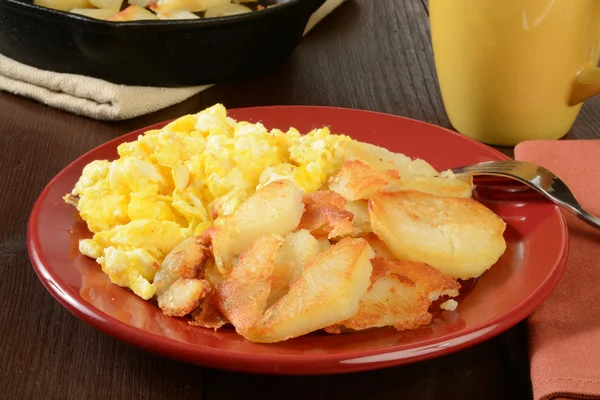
{"points": [[153, 53]]}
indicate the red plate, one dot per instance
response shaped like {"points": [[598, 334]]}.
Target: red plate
{"points": [[524, 276]]}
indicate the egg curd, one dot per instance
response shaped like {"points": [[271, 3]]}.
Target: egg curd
{"points": [[178, 181]]}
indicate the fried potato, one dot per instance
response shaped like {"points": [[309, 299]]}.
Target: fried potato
{"points": [[324, 243], [325, 215], [383, 160], [168, 6], [322, 198], [133, 13], [297, 249], [379, 247], [63, 5], [107, 4], [98, 13], [400, 296], [183, 296], [275, 209], [328, 291], [445, 185], [207, 314], [225, 10], [360, 219], [358, 180], [182, 14], [459, 237], [242, 295], [212, 274], [186, 260]]}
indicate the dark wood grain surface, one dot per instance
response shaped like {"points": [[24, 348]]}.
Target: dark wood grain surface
{"points": [[368, 54]]}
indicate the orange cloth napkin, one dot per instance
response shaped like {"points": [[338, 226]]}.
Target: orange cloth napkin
{"points": [[564, 333]]}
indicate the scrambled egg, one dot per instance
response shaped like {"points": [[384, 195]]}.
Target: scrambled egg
{"points": [[170, 183]]}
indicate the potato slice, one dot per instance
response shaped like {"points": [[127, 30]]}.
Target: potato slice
{"points": [[296, 251], [107, 4], [63, 5], [360, 219], [142, 3], [400, 296], [328, 291], [275, 209], [379, 247], [169, 6], [208, 315], [226, 10], [445, 185], [383, 159], [358, 180], [325, 215], [183, 296], [459, 237], [98, 13], [178, 15], [133, 13], [186, 260], [242, 295]]}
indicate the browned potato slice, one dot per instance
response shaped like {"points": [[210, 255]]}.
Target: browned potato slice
{"points": [[383, 159], [325, 215], [360, 219], [400, 296], [379, 247], [242, 295], [208, 315], [275, 209], [212, 274], [328, 291], [358, 180], [296, 251], [63, 5], [415, 174], [459, 237], [186, 260], [133, 13], [183, 296]]}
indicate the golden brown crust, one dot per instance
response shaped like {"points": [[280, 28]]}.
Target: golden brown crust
{"points": [[329, 290], [207, 314], [183, 296], [400, 296], [242, 295], [322, 198], [357, 180], [325, 216], [186, 260]]}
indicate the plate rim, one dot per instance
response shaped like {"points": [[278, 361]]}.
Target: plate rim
{"points": [[174, 349]]}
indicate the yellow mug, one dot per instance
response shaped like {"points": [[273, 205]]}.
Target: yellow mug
{"points": [[515, 70]]}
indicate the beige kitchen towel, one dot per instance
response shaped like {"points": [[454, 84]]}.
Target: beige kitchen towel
{"points": [[100, 99]]}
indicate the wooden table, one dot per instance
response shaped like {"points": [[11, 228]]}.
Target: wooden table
{"points": [[368, 54]]}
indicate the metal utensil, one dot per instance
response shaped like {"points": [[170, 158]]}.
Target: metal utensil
{"points": [[536, 177]]}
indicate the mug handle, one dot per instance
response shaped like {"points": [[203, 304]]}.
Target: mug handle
{"points": [[586, 85]]}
